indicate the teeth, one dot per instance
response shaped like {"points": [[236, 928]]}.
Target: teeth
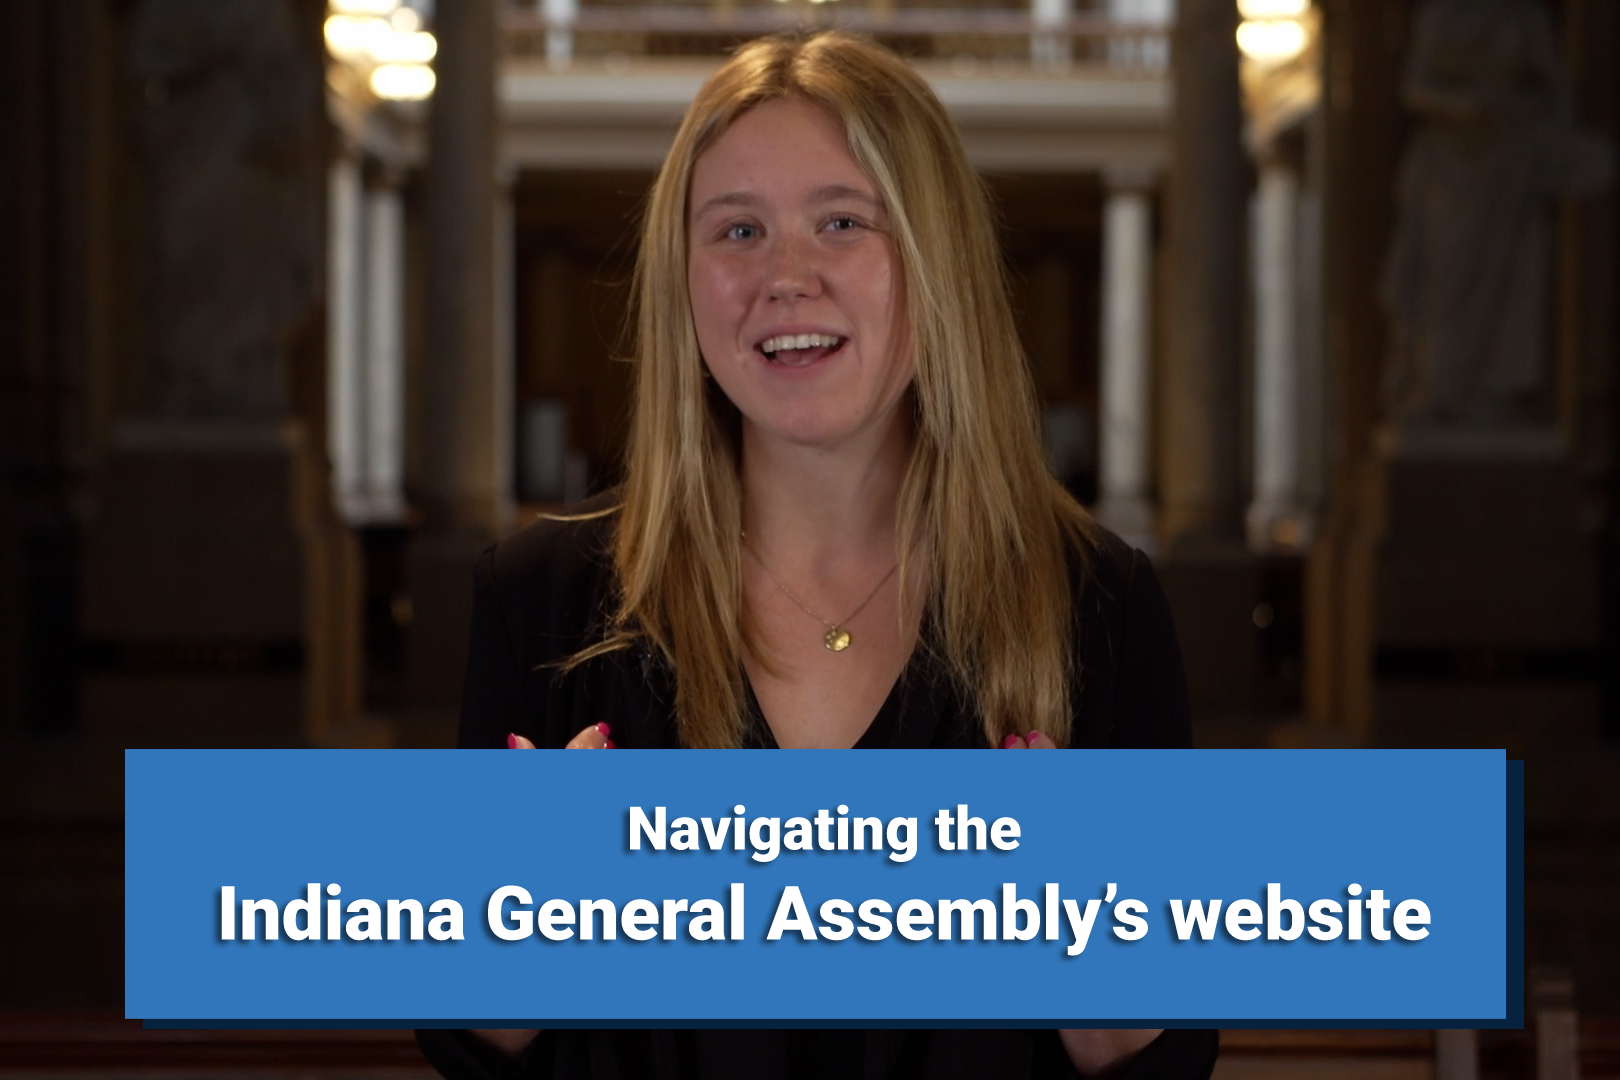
{"points": [[798, 341]]}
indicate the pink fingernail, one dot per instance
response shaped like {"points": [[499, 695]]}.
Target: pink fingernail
{"points": [[1009, 742], [1032, 737], [611, 745], [511, 742], [604, 729]]}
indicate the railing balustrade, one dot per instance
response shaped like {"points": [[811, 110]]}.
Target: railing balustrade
{"points": [[561, 31]]}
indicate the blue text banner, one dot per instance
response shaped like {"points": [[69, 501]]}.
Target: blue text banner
{"points": [[1321, 887]]}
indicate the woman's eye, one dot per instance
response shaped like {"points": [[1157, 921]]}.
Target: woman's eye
{"points": [[843, 223], [741, 231]]}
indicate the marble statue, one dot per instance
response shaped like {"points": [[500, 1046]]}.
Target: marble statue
{"points": [[1467, 279], [232, 165]]}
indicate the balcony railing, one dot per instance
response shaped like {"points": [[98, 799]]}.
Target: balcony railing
{"points": [[561, 31]]}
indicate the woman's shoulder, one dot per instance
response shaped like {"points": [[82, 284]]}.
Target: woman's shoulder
{"points": [[1118, 589], [560, 546], [1111, 568], [1131, 674], [553, 576], [540, 597]]}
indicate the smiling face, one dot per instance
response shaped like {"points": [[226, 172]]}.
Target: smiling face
{"points": [[797, 290]]}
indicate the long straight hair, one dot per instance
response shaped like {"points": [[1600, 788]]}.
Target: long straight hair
{"points": [[999, 539]]}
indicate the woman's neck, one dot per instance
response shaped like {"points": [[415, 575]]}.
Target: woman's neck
{"points": [[813, 510]]}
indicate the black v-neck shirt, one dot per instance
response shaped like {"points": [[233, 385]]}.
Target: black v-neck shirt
{"points": [[545, 593]]}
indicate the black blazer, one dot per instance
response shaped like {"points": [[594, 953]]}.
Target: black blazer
{"points": [[545, 592]]}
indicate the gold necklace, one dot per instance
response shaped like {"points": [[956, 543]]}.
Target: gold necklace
{"points": [[837, 638]]}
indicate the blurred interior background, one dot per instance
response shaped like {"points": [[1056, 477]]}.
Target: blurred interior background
{"points": [[302, 304]]}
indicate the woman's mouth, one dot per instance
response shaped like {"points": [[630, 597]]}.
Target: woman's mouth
{"points": [[799, 350]]}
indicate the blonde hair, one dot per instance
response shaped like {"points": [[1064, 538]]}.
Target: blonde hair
{"points": [[977, 504]]}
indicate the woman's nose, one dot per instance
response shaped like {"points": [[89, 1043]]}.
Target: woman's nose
{"points": [[793, 273]]}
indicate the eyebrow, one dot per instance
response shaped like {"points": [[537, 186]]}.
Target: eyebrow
{"points": [[835, 192], [824, 194]]}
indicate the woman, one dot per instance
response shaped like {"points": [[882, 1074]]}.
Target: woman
{"points": [[836, 527]]}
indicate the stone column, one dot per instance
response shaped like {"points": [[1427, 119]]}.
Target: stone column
{"points": [[1275, 514], [1209, 576], [1456, 1054], [345, 333], [1048, 47], [505, 315], [218, 597], [457, 486], [457, 489], [1199, 494], [385, 351], [1557, 1024], [560, 35], [1127, 319]]}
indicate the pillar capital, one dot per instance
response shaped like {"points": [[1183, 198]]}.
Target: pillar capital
{"points": [[1132, 176], [345, 149], [387, 176], [507, 171]]}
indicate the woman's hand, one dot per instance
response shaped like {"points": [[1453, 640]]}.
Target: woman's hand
{"points": [[595, 737], [509, 1041], [1101, 1050], [1092, 1050], [513, 1041], [1033, 741]]}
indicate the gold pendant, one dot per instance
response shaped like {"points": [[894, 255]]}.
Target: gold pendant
{"points": [[837, 639]]}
